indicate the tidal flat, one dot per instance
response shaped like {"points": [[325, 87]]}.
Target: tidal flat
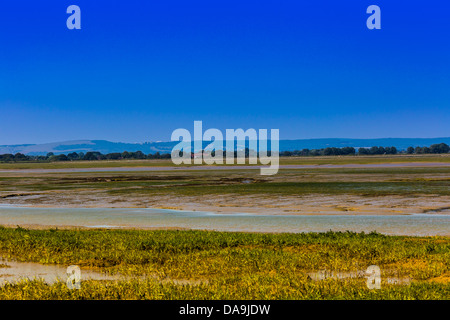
{"points": [[201, 264], [319, 190]]}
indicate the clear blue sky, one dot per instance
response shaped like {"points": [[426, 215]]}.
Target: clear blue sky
{"points": [[137, 70]]}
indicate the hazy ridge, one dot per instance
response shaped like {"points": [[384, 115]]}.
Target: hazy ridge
{"points": [[105, 146]]}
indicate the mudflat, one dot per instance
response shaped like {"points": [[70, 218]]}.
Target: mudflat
{"points": [[388, 187]]}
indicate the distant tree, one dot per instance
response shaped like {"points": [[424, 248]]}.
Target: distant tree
{"points": [[92, 155], [328, 151], [304, 152], [126, 155], [439, 148], [139, 155], [50, 154], [114, 156], [422, 150], [7, 157], [348, 150], [73, 156], [410, 150], [390, 150], [20, 157], [377, 150], [363, 151], [60, 157]]}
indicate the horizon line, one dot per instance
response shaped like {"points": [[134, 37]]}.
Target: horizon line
{"points": [[161, 141]]}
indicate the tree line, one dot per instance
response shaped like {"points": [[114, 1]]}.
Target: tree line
{"points": [[434, 148], [139, 155], [375, 150], [88, 156]]}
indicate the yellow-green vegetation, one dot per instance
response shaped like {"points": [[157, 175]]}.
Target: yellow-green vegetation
{"points": [[309, 160], [170, 264], [365, 159]]}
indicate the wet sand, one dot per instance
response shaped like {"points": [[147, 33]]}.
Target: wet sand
{"points": [[311, 204], [84, 188], [144, 218], [126, 191]]}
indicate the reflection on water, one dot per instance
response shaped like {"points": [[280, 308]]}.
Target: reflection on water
{"points": [[418, 224], [14, 271]]}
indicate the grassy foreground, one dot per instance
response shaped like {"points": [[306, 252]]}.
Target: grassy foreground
{"points": [[226, 265]]}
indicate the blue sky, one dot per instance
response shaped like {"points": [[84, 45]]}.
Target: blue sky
{"points": [[137, 70]]}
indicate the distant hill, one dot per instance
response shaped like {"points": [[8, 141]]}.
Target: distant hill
{"points": [[102, 146], [105, 147]]}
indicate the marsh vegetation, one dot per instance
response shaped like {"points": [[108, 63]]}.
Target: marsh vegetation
{"points": [[170, 264]]}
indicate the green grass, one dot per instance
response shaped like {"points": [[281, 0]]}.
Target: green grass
{"points": [[377, 159], [302, 188], [86, 164], [248, 287], [230, 265]]}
